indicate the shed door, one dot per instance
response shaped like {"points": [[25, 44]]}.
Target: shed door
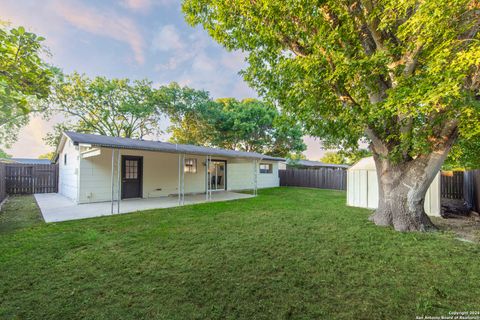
{"points": [[132, 171]]}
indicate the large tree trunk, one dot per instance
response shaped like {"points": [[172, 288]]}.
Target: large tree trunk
{"points": [[402, 189], [402, 186]]}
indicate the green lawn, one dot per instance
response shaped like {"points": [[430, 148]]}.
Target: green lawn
{"points": [[19, 212], [286, 254]]}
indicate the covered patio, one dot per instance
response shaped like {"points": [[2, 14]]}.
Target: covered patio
{"points": [[56, 207]]}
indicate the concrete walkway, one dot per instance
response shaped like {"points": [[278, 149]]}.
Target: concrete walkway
{"points": [[56, 207]]}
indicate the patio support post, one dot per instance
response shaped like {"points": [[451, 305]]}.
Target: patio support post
{"points": [[206, 178], [119, 169], [210, 180], [113, 179], [179, 188], [183, 179], [255, 177]]}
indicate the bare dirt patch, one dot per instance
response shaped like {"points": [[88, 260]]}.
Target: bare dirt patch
{"points": [[466, 227]]}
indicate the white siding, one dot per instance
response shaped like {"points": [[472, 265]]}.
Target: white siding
{"points": [[160, 175], [240, 175], [269, 180], [68, 174]]}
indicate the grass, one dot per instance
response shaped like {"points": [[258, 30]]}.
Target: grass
{"points": [[19, 212], [286, 254]]}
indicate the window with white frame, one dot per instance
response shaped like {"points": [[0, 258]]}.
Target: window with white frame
{"points": [[191, 165], [65, 159], [266, 168]]}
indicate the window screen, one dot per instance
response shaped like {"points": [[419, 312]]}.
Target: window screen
{"points": [[131, 169], [65, 159], [191, 165], [266, 168]]}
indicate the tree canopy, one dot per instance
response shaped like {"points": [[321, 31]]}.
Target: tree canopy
{"points": [[4, 155], [48, 155], [403, 74], [333, 158], [112, 107], [345, 157], [465, 155], [400, 72], [24, 76], [248, 125]]}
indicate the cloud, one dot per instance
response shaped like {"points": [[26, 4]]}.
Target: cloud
{"points": [[168, 39], [193, 59], [144, 5], [233, 60], [104, 23], [203, 63], [180, 50]]}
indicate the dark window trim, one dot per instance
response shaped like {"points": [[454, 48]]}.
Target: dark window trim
{"points": [[194, 165]]}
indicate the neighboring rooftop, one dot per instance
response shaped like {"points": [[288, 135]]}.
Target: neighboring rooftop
{"points": [[149, 145], [28, 161], [314, 164]]}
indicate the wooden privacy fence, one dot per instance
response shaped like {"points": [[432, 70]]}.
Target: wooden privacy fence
{"points": [[474, 191], [3, 189], [462, 185], [31, 178], [323, 178], [452, 184]]}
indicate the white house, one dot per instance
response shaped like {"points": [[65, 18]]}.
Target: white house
{"points": [[362, 188], [96, 168]]}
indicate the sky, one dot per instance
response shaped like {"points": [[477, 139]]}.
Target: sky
{"points": [[133, 39]]}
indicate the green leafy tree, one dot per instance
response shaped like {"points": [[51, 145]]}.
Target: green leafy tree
{"points": [[402, 74], [333, 158], [4, 155], [248, 125], [112, 107], [465, 155], [24, 77], [48, 155], [53, 138], [349, 157], [354, 155]]}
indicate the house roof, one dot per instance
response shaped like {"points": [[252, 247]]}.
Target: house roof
{"points": [[315, 164], [30, 161], [149, 145]]}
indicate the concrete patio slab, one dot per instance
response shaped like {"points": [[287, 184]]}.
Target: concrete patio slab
{"points": [[56, 207]]}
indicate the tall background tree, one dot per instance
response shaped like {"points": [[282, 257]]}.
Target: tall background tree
{"points": [[24, 78], [247, 125], [112, 107], [349, 157], [404, 74]]}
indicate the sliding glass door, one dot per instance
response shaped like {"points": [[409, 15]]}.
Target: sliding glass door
{"points": [[217, 175]]}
